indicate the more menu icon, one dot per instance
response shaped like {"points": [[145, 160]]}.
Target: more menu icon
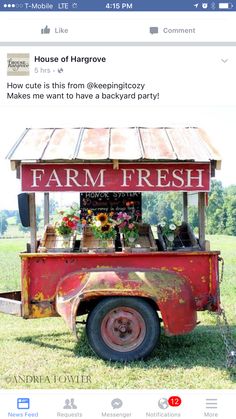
{"points": [[211, 404]]}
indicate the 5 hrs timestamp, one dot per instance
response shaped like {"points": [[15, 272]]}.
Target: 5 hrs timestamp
{"points": [[121, 6]]}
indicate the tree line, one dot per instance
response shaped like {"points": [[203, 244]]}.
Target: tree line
{"points": [[159, 206], [220, 210]]}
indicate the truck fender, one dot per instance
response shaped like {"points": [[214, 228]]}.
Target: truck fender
{"points": [[170, 291]]}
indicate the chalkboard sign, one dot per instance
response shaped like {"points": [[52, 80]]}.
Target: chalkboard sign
{"points": [[111, 201]]}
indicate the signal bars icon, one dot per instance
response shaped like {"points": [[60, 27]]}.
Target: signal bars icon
{"points": [[13, 5]]}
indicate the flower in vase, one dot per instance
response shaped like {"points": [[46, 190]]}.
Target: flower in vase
{"points": [[103, 226], [67, 221], [127, 226], [168, 231]]}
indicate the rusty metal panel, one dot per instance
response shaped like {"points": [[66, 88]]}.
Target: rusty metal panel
{"points": [[215, 155], [42, 273], [169, 290], [125, 144], [62, 144], [156, 144], [188, 145], [94, 144], [32, 145]]}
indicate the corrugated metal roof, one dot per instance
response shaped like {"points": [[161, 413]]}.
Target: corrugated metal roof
{"points": [[101, 144]]}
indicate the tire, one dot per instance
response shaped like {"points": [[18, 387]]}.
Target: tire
{"points": [[123, 329]]}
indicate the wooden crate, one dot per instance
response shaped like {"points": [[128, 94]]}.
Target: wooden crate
{"points": [[89, 243], [54, 243], [184, 239], [144, 243]]}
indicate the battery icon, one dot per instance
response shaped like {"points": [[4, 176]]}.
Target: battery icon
{"points": [[226, 6]]}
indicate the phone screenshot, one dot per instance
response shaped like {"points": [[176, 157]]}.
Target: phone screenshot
{"points": [[117, 209]]}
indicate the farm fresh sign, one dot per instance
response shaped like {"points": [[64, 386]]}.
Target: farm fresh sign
{"points": [[103, 177]]}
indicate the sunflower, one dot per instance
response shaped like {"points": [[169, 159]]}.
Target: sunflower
{"points": [[106, 227], [103, 218]]}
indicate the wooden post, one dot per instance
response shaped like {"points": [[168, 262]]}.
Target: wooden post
{"points": [[46, 208], [185, 207], [201, 217], [32, 209]]}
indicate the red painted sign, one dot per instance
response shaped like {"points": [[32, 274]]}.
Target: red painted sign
{"points": [[102, 177]]}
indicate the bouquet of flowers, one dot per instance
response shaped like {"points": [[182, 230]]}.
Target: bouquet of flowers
{"points": [[103, 226], [127, 226], [67, 221], [168, 231]]}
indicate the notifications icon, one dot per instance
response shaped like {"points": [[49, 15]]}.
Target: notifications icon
{"points": [[116, 403], [163, 403]]}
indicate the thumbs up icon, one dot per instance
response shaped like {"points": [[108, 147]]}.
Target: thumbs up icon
{"points": [[45, 30]]}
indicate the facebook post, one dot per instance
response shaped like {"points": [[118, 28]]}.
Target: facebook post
{"points": [[117, 210]]}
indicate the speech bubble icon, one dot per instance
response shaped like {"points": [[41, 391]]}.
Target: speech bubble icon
{"points": [[116, 403], [153, 29]]}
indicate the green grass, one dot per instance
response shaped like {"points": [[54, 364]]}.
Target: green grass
{"points": [[10, 263], [43, 353]]}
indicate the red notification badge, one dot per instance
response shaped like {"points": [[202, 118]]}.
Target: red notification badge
{"points": [[174, 401]]}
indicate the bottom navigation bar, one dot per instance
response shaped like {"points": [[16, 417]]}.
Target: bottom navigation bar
{"points": [[99, 404]]}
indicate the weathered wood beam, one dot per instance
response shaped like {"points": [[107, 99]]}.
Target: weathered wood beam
{"points": [[115, 164], [33, 235], [201, 218], [185, 207], [46, 208]]}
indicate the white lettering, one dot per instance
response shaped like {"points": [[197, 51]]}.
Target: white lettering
{"points": [[191, 178], [53, 178], [161, 175], [126, 176], [36, 177], [178, 178], [143, 175], [88, 177], [71, 178]]}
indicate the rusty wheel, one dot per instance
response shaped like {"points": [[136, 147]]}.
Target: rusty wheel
{"points": [[123, 328]]}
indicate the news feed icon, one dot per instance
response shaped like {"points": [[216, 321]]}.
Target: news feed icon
{"points": [[23, 403], [18, 64]]}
